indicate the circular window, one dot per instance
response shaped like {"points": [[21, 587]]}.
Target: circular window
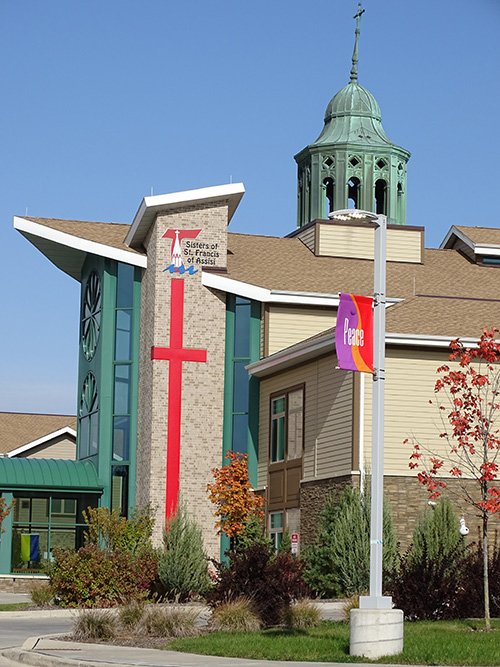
{"points": [[91, 315]]}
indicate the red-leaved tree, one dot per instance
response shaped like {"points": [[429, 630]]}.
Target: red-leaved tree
{"points": [[468, 398], [233, 497]]}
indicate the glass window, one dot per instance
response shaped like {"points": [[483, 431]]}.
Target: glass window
{"points": [[119, 489], [121, 438], [124, 286], [36, 532], [278, 430], [241, 386], [88, 418], [276, 529], [242, 313], [287, 429], [240, 433], [122, 383], [123, 337]]}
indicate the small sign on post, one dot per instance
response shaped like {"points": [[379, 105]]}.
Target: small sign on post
{"points": [[294, 539]]}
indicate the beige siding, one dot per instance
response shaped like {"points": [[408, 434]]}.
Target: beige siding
{"points": [[59, 448], [403, 245], [410, 379], [308, 237], [289, 325], [327, 417]]}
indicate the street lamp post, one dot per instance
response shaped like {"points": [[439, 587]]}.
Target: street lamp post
{"points": [[376, 628]]}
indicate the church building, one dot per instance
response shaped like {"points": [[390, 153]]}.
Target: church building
{"points": [[189, 349]]}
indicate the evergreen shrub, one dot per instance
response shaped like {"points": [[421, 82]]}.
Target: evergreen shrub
{"points": [[338, 564], [182, 563], [432, 570], [270, 581]]}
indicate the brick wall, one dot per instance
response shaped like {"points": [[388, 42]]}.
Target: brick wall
{"points": [[203, 383]]}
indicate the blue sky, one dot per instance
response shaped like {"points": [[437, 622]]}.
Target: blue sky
{"points": [[104, 101]]}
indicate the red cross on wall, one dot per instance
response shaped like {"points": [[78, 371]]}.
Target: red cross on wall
{"points": [[176, 354]]}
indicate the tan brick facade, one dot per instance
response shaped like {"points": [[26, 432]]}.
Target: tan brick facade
{"points": [[203, 383]]}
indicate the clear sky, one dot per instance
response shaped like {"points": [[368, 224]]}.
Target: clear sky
{"points": [[104, 101]]}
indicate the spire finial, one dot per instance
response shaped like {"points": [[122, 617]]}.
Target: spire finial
{"points": [[354, 68]]}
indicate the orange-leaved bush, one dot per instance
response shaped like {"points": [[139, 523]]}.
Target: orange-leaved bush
{"points": [[233, 496]]}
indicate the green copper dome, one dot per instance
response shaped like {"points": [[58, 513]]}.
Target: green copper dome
{"points": [[353, 100], [353, 116]]}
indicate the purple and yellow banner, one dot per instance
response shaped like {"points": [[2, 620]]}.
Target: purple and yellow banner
{"points": [[354, 333]]}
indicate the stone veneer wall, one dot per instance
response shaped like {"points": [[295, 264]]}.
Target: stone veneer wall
{"points": [[313, 496], [203, 383], [406, 497]]}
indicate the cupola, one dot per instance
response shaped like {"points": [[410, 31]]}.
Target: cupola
{"points": [[353, 163]]}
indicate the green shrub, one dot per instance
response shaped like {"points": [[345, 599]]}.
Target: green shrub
{"points": [[270, 582], [112, 532], [170, 621], [95, 624], [253, 533], [302, 615], [42, 595], [182, 563], [432, 569], [338, 564], [131, 614], [286, 543], [91, 577], [235, 616]]}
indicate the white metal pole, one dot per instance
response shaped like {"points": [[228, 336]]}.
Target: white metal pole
{"points": [[375, 598]]}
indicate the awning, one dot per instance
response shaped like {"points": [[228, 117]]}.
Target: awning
{"points": [[48, 475]]}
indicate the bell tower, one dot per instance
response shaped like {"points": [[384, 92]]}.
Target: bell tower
{"points": [[353, 163]]}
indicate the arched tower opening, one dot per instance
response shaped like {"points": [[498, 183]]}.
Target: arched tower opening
{"points": [[354, 192], [380, 196]]}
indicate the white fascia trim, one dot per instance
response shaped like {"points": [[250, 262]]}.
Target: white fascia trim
{"points": [[422, 340], [66, 430], [264, 295], [152, 205], [302, 352], [453, 231], [492, 250], [77, 243]]}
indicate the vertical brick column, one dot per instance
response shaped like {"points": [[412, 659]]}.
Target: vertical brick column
{"points": [[203, 383]]}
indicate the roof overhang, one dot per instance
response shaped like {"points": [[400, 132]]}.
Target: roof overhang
{"points": [[322, 344], [48, 475], [68, 252], [152, 206], [490, 250], [66, 430], [264, 295]]}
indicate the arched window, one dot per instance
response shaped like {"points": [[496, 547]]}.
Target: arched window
{"points": [[380, 196], [353, 192], [91, 315], [328, 190]]}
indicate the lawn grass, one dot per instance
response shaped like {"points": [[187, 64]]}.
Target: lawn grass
{"points": [[426, 643], [15, 606]]}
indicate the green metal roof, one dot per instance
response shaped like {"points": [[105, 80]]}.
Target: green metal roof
{"points": [[48, 474]]}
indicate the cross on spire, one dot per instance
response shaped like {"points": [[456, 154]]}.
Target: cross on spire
{"points": [[354, 68]]}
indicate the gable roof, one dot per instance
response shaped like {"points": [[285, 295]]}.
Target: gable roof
{"points": [[20, 431]]}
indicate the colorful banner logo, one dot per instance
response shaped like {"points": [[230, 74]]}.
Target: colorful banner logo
{"points": [[354, 333], [177, 235]]}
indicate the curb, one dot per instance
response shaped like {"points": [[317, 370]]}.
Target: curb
{"points": [[34, 659]]}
